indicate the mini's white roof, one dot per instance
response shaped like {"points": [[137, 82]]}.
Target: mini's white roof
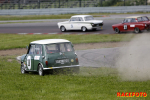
{"points": [[134, 16], [48, 41], [81, 15]]}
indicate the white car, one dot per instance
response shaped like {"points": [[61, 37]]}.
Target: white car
{"points": [[80, 22]]}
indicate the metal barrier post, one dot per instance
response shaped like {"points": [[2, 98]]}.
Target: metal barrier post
{"points": [[6, 2], [79, 3], [124, 2], [59, 3], [39, 4], [18, 4]]}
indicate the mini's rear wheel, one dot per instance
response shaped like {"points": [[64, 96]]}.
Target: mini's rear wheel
{"points": [[84, 29], [62, 28], [117, 30]]}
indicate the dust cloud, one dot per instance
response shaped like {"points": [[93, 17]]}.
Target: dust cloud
{"points": [[133, 62]]}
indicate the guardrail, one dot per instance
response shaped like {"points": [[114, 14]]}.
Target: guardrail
{"points": [[55, 11]]}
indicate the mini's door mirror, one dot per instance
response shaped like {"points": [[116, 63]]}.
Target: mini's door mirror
{"points": [[43, 57], [27, 47], [72, 45]]}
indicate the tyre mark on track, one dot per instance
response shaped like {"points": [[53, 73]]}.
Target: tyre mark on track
{"points": [[98, 57]]}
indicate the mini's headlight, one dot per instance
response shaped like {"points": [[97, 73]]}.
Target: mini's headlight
{"points": [[145, 24]]}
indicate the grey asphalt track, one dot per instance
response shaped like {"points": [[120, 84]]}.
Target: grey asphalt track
{"points": [[50, 25], [105, 57]]}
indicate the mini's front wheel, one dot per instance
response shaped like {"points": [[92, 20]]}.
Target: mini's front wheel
{"points": [[40, 70], [23, 71]]}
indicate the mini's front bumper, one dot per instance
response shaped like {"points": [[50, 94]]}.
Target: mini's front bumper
{"points": [[61, 67]]}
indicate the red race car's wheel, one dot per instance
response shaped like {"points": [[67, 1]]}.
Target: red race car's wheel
{"points": [[117, 30]]}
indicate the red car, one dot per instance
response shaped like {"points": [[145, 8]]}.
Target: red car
{"points": [[133, 23]]}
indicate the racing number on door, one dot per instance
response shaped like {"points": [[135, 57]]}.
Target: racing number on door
{"points": [[71, 26], [29, 62], [125, 27]]}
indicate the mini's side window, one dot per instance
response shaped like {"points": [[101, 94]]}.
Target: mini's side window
{"points": [[38, 49], [31, 50]]}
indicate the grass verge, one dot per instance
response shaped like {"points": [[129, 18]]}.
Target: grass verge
{"points": [[89, 84], [11, 41]]}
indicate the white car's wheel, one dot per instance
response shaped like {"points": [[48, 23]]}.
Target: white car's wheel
{"points": [[117, 30], [62, 28], [40, 70], [84, 29], [136, 30]]}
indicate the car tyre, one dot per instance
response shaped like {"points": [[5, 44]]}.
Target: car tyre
{"points": [[117, 30], [23, 71], [137, 30], [84, 29], [62, 28], [40, 70]]}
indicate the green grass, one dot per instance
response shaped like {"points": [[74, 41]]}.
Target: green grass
{"points": [[89, 84], [11, 41], [62, 16], [34, 17]]}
